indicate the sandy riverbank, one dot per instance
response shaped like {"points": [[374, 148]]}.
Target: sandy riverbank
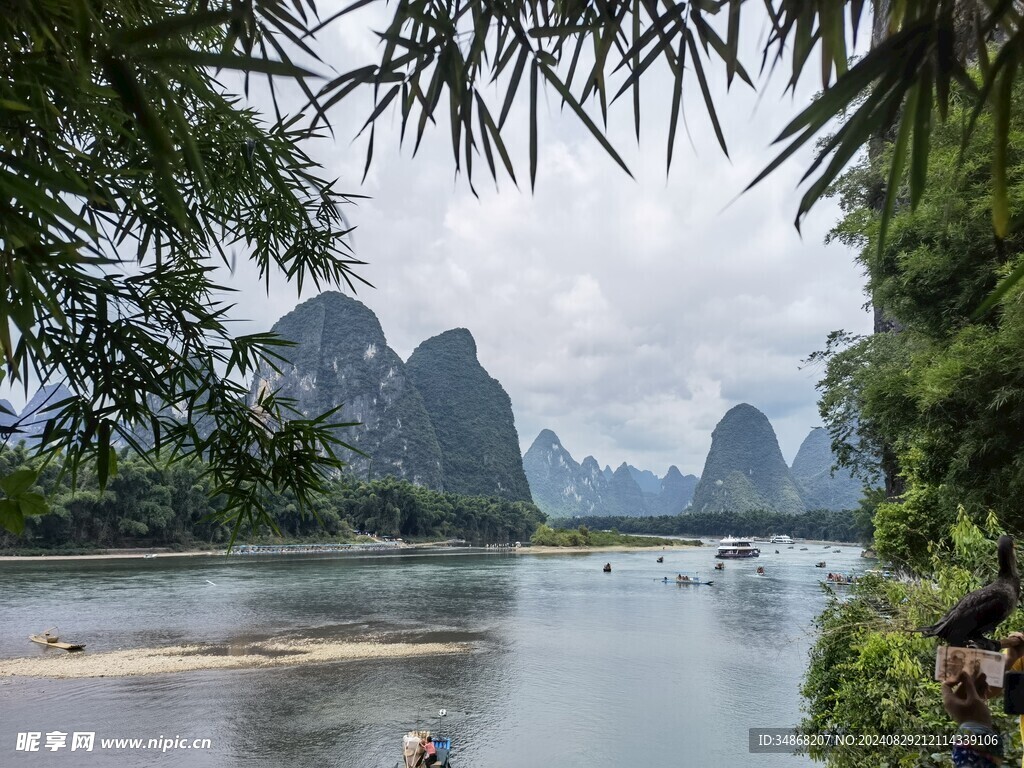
{"points": [[133, 555], [186, 658]]}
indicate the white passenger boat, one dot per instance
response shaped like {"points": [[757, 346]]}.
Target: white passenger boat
{"points": [[730, 547], [780, 540]]}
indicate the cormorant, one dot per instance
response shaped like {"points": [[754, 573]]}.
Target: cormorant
{"points": [[981, 611]]}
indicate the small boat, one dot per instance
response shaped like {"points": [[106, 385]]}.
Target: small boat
{"points": [[776, 551], [837, 550], [719, 566], [820, 565], [661, 559], [803, 549], [780, 540], [412, 754], [760, 570], [53, 641], [682, 580], [607, 568]]}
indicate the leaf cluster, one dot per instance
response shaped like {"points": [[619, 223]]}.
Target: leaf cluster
{"points": [[130, 174]]}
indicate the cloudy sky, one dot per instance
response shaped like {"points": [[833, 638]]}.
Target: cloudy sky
{"points": [[626, 315]]}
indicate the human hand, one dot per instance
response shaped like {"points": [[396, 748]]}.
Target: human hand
{"points": [[1014, 645], [963, 703]]}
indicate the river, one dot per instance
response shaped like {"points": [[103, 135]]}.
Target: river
{"points": [[569, 666]]}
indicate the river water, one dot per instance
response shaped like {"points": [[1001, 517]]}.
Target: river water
{"points": [[570, 666]]}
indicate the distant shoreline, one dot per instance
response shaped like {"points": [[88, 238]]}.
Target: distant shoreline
{"points": [[611, 548], [528, 550], [135, 555]]}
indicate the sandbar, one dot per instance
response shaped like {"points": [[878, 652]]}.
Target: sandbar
{"points": [[187, 658]]}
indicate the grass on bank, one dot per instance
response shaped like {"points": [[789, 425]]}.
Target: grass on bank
{"points": [[546, 536]]}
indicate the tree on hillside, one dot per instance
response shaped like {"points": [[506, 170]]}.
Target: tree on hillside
{"points": [[129, 169], [946, 392]]}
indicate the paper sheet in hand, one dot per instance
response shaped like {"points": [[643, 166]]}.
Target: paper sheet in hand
{"points": [[949, 662]]}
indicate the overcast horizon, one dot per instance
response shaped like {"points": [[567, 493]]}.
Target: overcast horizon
{"points": [[627, 316]]}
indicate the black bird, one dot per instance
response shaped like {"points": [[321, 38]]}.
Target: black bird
{"points": [[981, 611]]}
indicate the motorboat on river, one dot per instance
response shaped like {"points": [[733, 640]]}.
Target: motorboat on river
{"points": [[730, 547]]}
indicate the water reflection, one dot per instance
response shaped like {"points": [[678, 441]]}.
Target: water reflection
{"points": [[570, 666]]}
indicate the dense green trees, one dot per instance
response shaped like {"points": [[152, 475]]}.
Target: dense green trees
{"points": [[173, 506], [870, 673], [582, 536], [946, 393], [946, 396]]}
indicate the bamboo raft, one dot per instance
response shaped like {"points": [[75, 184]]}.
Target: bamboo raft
{"points": [[53, 641]]}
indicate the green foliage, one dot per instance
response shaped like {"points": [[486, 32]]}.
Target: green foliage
{"points": [[869, 674], [582, 536], [129, 171], [941, 400], [175, 506]]}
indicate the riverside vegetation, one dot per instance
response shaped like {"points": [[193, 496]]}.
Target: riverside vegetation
{"points": [[819, 524], [941, 401], [582, 536], [147, 506]]}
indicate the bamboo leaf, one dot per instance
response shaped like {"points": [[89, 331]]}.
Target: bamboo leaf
{"points": [[533, 124]]}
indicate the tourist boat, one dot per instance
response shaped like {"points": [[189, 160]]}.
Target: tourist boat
{"points": [[730, 547], [777, 539], [687, 580], [54, 642], [411, 752]]}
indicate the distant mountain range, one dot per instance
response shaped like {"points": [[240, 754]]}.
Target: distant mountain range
{"points": [[440, 420], [563, 488], [744, 471], [31, 420]]}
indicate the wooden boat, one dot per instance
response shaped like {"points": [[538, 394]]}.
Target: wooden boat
{"points": [[607, 568], [661, 559], [760, 570], [687, 582], [719, 566], [54, 642], [820, 565]]}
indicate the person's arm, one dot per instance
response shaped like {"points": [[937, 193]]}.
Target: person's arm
{"points": [[970, 712], [1014, 646]]}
